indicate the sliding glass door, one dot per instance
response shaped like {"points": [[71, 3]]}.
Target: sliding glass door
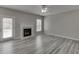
{"points": [[7, 27]]}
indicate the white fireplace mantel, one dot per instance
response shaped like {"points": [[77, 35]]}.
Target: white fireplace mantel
{"points": [[26, 26]]}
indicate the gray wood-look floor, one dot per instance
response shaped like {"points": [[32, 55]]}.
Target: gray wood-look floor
{"points": [[40, 44]]}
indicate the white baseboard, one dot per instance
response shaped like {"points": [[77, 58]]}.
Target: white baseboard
{"points": [[64, 36]]}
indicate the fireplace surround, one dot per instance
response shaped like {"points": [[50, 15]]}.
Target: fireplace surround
{"points": [[26, 31]]}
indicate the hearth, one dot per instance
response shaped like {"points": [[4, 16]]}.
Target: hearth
{"points": [[27, 32]]}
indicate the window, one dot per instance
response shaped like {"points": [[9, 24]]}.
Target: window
{"points": [[7, 27], [38, 25]]}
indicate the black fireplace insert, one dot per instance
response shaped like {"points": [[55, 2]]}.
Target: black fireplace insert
{"points": [[27, 32]]}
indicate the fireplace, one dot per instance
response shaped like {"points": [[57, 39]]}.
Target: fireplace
{"points": [[27, 32]]}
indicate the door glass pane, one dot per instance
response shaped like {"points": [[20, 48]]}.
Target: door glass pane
{"points": [[38, 25], [7, 27]]}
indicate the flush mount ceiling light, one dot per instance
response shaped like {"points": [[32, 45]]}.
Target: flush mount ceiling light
{"points": [[44, 9]]}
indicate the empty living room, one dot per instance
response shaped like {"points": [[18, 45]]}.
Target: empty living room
{"points": [[39, 29]]}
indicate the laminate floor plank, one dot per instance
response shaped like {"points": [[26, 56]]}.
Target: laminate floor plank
{"points": [[63, 48], [40, 44]]}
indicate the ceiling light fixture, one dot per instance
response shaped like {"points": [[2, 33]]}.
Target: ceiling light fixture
{"points": [[44, 9]]}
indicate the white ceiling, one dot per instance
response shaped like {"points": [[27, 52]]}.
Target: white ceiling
{"points": [[36, 9]]}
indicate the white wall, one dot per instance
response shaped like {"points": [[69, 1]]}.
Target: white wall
{"points": [[21, 18], [63, 24]]}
